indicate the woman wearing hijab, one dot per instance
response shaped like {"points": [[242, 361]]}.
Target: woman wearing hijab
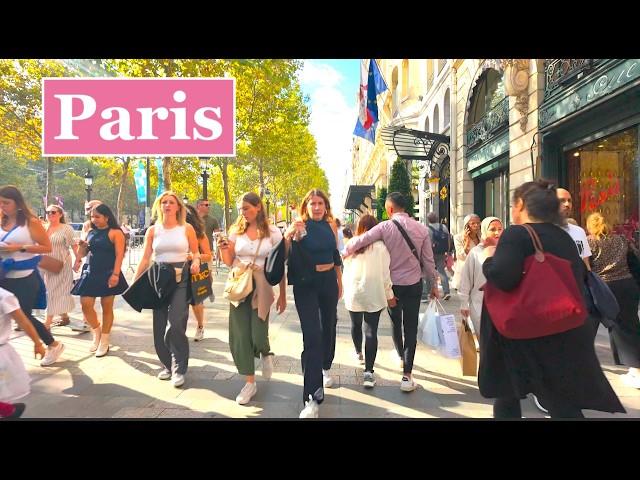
{"points": [[471, 276], [464, 242]]}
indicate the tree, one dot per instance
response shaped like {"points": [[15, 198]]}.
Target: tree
{"points": [[381, 213], [400, 182]]}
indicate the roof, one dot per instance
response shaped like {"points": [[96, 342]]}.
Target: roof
{"points": [[356, 196]]}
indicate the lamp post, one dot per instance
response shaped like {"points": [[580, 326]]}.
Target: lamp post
{"points": [[204, 164], [267, 192], [88, 181]]}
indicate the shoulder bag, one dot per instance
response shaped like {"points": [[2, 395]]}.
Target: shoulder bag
{"points": [[240, 280]]}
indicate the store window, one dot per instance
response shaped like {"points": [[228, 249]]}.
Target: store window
{"points": [[488, 93], [603, 177], [492, 195]]}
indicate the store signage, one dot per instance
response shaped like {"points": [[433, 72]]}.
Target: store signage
{"points": [[142, 116], [599, 86]]}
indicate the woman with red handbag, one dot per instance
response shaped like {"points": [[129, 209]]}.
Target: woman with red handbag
{"points": [[561, 369]]}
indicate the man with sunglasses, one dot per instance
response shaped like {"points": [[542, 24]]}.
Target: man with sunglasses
{"points": [[210, 223]]}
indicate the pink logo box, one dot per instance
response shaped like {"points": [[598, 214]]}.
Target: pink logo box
{"points": [[138, 116]]}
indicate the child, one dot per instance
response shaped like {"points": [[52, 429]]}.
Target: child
{"points": [[14, 380]]}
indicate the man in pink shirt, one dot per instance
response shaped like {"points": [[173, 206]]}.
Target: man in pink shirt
{"points": [[409, 264]]}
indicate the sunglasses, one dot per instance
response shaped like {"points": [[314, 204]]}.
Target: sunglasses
{"points": [[51, 212], [204, 204]]}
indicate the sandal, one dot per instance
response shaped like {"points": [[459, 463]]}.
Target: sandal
{"points": [[63, 322]]}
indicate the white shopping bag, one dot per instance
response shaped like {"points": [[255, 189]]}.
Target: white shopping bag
{"points": [[448, 335], [429, 332]]}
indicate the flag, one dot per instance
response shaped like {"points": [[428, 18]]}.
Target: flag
{"points": [[372, 84], [140, 179], [160, 176]]}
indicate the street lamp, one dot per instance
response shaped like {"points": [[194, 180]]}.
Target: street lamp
{"points": [[267, 192], [88, 181], [434, 183], [204, 164]]}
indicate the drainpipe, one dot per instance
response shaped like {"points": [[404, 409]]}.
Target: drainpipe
{"points": [[453, 148]]}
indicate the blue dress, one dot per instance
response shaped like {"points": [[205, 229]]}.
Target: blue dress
{"points": [[99, 267]]}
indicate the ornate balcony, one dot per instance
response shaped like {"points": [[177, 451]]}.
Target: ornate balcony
{"points": [[561, 71], [494, 120]]}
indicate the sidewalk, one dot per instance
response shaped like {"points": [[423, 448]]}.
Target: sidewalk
{"points": [[124, 383]]}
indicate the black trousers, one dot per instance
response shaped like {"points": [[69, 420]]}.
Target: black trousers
{"points": [[316, 305], [510, 408], [404, 317], [624, 336], [371, 320], [26, 290]]}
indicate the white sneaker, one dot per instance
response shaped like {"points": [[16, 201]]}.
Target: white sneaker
{"points": [[360, 358], [408, 385], [199, 334], [247, 392], [327, 380], [369, 380], [538, 405], [52, 355], [631, 380], [80, 327], [164, 374], [267, 366], [310, 409], [177, 380]]}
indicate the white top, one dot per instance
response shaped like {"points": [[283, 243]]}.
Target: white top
{"points": [[580, 237], [471, 279], [8, 304], [366, 279], [245, 248], [170, 245], [22, 236], [340, 240]]}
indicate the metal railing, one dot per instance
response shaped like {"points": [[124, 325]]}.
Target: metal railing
{"points": [[493, 120], [560, 71]]}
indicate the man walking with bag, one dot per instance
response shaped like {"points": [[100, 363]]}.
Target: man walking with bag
{"points": [[441, 244], [409, 246]]}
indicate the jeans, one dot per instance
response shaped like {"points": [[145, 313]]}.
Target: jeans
{"points": [[404, 317], [371, 320], [316, 306]]}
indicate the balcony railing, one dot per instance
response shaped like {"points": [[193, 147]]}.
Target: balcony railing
{"points": [[561, 71], [493, 121]]}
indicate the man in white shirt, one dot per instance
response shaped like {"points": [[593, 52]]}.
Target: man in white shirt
{"points": [[577, 233]]}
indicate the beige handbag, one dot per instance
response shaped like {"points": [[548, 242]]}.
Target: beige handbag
{"points": [[240, 280]]}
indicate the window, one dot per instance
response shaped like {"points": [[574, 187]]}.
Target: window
{"points": [[394, 89], [436, 120], [429, 73], [447, 110], [426, 124], [488, 92], [492, 195], [405, 78]]}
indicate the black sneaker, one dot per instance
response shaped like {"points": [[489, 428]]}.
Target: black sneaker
{"points": [[17, 412]]}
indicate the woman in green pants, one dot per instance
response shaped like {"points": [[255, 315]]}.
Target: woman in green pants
{"points": [[250, 240]]}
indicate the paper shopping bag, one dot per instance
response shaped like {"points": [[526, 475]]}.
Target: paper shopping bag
{"points": [[468, 349], [448, 334]]}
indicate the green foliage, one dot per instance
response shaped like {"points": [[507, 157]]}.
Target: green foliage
{"points": [[400, 182], [381, 213]]}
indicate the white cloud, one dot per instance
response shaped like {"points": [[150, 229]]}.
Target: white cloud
{"points": [[332, 120]]}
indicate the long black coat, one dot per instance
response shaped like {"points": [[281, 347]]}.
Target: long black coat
{"points": [[562, 366]]}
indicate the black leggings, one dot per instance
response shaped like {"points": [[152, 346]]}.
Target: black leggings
{"points": [[26, 290], [510, 408], [371, 320]]}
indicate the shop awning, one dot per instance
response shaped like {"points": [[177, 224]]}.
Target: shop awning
{"points": [[412, 144], [356, 196]]}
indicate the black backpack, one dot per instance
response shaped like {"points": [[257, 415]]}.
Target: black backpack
{"points": [[440, 242]]}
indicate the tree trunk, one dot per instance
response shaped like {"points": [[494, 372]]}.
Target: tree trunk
{"points": [[50, 187], [166, 172], [261, 176], [123, 181], [225, 187]]}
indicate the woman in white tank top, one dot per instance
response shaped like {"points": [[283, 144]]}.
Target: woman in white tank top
{"points": [[22, 240], [171, 240]]}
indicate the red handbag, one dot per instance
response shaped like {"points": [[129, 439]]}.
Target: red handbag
{"points": [[546, 302]]}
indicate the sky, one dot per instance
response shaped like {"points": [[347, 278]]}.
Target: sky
{"points": [[332, 86]]}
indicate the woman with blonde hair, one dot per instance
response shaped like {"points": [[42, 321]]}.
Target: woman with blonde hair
{"points": [[250, 240], [317, 286], [59, 285], [367, 291], [609, 260], [172, 241], [463, 243]]}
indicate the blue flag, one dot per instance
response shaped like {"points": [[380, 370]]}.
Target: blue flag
{"points": [[366, 134], [140, 179], [372, 84], [160, 176]]}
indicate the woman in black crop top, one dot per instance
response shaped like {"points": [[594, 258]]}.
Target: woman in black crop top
{"points": [[317, 298]]}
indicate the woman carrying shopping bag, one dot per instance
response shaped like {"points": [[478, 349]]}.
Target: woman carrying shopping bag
{"points": [[367, 291], [250, 241]]}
